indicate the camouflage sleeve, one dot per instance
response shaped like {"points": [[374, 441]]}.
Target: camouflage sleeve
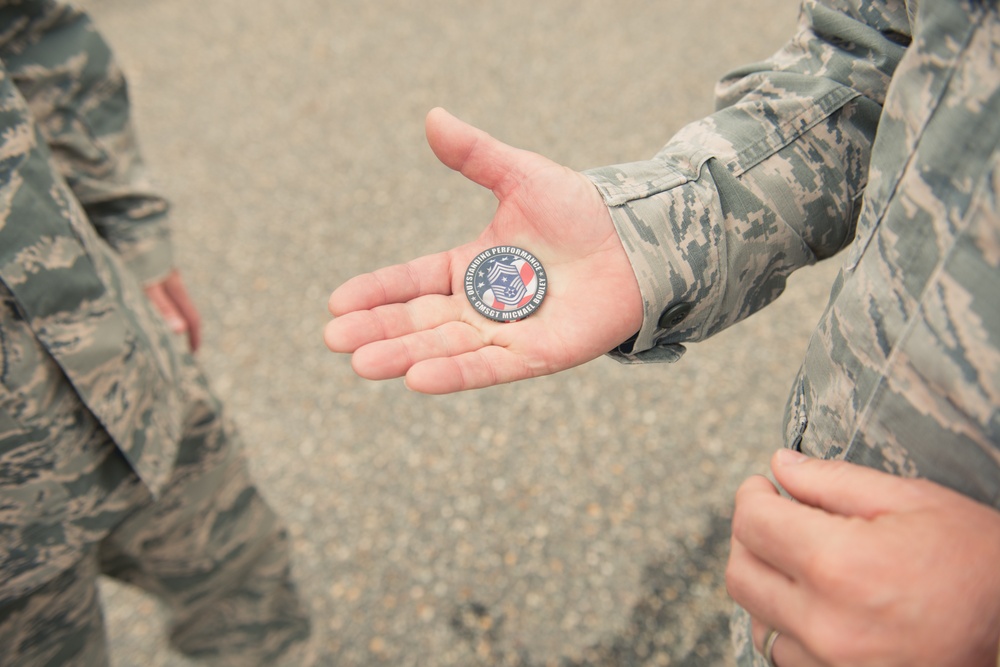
{"points": [[79, 100], [718, 219]]}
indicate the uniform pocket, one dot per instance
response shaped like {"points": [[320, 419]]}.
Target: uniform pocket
{"points": [[868, 224], [796, 416]]}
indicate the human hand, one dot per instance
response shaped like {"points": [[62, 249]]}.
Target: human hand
{"points": [[414, 319], [170, 297], [866, 569]]}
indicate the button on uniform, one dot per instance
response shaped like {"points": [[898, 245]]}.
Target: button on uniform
{"points": [[674, 315]]}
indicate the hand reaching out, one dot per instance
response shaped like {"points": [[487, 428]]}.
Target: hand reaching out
{"points": [[170, 297], [414, 319], [866, 569]]}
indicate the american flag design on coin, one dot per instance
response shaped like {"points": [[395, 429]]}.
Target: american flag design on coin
{"points": [[505, 283]]}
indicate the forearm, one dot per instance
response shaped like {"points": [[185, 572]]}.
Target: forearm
{"points": [[734, 203]]}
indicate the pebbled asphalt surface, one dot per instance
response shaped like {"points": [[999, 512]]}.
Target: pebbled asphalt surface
{"points": [[576, 520]]}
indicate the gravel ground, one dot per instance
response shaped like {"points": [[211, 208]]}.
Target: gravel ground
{"points": [[577, 520]]}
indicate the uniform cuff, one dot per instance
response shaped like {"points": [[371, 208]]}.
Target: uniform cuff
{"points": [[663, 217], [150, 259]]}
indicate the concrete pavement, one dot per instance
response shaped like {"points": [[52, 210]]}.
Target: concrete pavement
{"points": [[577, 520]]}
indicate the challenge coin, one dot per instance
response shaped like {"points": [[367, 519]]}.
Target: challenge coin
{"points": [[505, 283]]}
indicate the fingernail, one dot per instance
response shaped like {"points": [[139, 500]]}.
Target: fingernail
{"points": [[787, 457], [177, 326]]}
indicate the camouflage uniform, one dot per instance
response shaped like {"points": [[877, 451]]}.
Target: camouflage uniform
{"points": [[114, 455], [873, 131]]}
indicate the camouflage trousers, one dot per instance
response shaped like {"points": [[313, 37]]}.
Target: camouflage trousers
{"points": [[208, 546]]}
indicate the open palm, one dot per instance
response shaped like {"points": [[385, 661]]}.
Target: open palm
{"points": [[414, 319]]}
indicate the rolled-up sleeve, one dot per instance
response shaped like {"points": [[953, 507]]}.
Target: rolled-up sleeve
{"points": [[718, 219], [79, 99]]}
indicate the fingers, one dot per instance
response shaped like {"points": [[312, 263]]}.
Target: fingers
{"points": [[786, 651], [485, 367], [466, 149], [350, 332], [786, 535], [771, 597], [430, 274], [171, 300], [453, 356], [394, 356], [157, 294], [766, 593], [178, 294], [427, 341], [843, 488]]}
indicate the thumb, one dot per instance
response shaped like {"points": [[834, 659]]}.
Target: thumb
{"points": [[181, 306], [157, 294], [470, 151], [842, 488]]}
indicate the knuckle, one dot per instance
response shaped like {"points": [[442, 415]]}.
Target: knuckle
{"points": [[828, 570], [735, 582]]}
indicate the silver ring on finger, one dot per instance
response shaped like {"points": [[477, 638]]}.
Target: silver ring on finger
{"points": [[769, 639]]}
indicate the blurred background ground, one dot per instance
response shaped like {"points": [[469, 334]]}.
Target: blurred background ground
{"points": [[578, 520]]}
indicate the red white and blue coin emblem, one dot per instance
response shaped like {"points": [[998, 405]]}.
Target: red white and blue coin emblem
{"points": [[505, 283]]}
